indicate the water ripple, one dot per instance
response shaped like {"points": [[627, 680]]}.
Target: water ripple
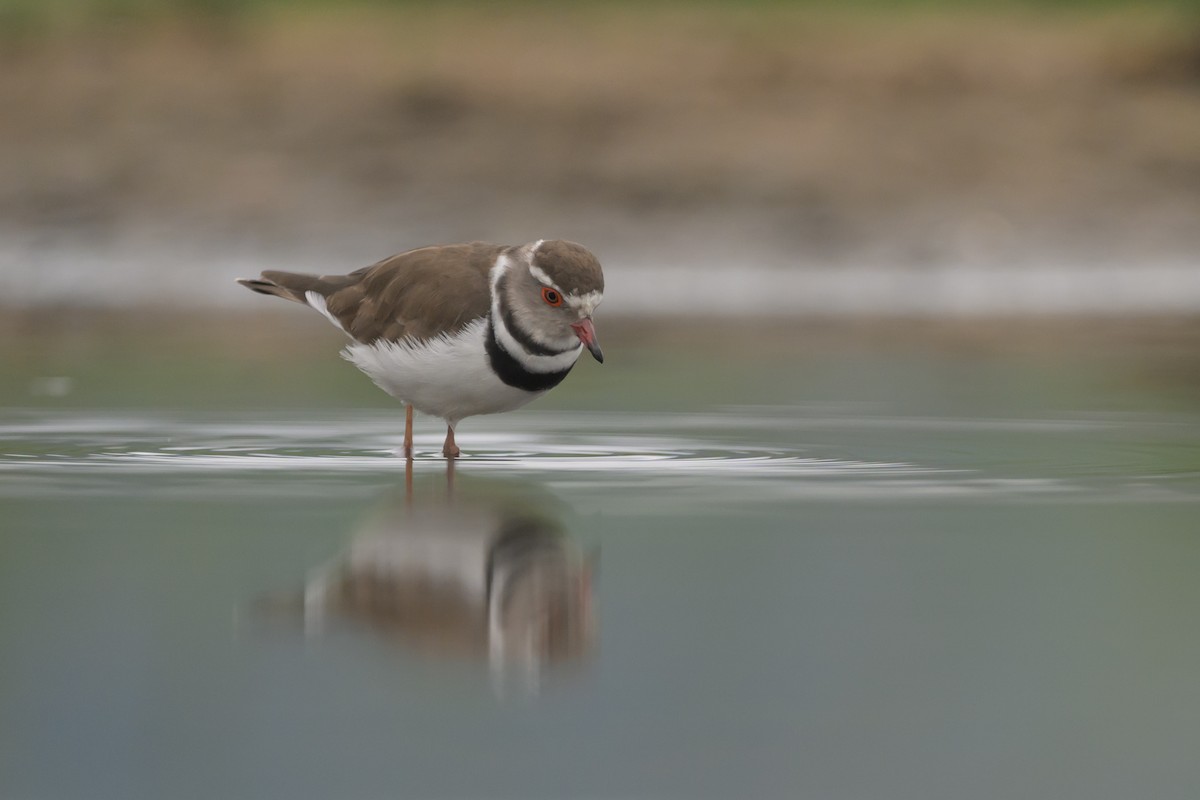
{"points": [[736, 453]]}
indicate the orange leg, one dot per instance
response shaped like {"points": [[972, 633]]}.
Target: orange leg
{"points": [[450, 449], [408, 482], [408, 420]]}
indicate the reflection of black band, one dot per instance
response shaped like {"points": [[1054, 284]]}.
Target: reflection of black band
{"points": [[511, 371], [519, 542]]}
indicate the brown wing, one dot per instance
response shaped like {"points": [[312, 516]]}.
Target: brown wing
{"points": [[418, 294]]}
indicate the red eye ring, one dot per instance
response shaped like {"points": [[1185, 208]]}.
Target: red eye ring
{"points": [[552, 297]]}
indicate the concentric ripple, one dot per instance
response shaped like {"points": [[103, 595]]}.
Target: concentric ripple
{"points": [[737, 453]]}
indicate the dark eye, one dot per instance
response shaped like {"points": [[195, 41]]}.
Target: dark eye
{"points": [[551, 297]]}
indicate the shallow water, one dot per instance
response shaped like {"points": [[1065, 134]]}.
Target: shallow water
{"points": [[817, 599]]}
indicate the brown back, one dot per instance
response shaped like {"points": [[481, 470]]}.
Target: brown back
{"points": [[418, 294]]}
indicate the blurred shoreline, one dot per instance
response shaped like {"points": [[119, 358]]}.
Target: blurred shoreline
{"points": [[291, 333], [740, 286], [719, 158], [284, 358]]}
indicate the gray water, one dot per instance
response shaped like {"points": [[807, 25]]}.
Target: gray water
{"points": [[811, 600]]}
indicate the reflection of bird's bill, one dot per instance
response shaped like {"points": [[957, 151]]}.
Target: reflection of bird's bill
{"points": [[485, 571]]}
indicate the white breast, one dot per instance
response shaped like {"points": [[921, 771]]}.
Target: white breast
{"points": [[447, 377]]}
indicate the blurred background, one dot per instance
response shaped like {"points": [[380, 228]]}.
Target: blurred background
{"points": [[940, 161], [931, 157]]}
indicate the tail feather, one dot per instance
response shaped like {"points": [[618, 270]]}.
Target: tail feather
{"points": [[314, 291], [269, 287], [288, 285]]}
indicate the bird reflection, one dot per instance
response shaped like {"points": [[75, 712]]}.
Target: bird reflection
{"points": [[465, 568]]}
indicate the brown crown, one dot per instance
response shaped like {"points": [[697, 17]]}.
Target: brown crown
{"points": [[571, 266]]}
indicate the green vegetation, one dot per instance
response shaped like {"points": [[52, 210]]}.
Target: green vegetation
{"points": [[27, 21], [81, 12]]}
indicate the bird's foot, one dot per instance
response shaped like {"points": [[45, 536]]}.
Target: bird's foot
{"points": [[450, 449]]}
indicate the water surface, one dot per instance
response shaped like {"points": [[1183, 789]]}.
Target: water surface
{"points": [[850, 599]]}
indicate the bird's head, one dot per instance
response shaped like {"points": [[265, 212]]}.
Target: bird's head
{"points": [[551, 290]]}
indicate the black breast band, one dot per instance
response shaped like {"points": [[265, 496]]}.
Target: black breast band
{"points": [[509, 370]]}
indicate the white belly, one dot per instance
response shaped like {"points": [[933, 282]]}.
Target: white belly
{"points": [[447, 377]]}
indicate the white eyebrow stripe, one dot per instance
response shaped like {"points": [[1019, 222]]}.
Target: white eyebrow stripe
{"points": [[538, 273], [585, 302], [590, 299]]}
